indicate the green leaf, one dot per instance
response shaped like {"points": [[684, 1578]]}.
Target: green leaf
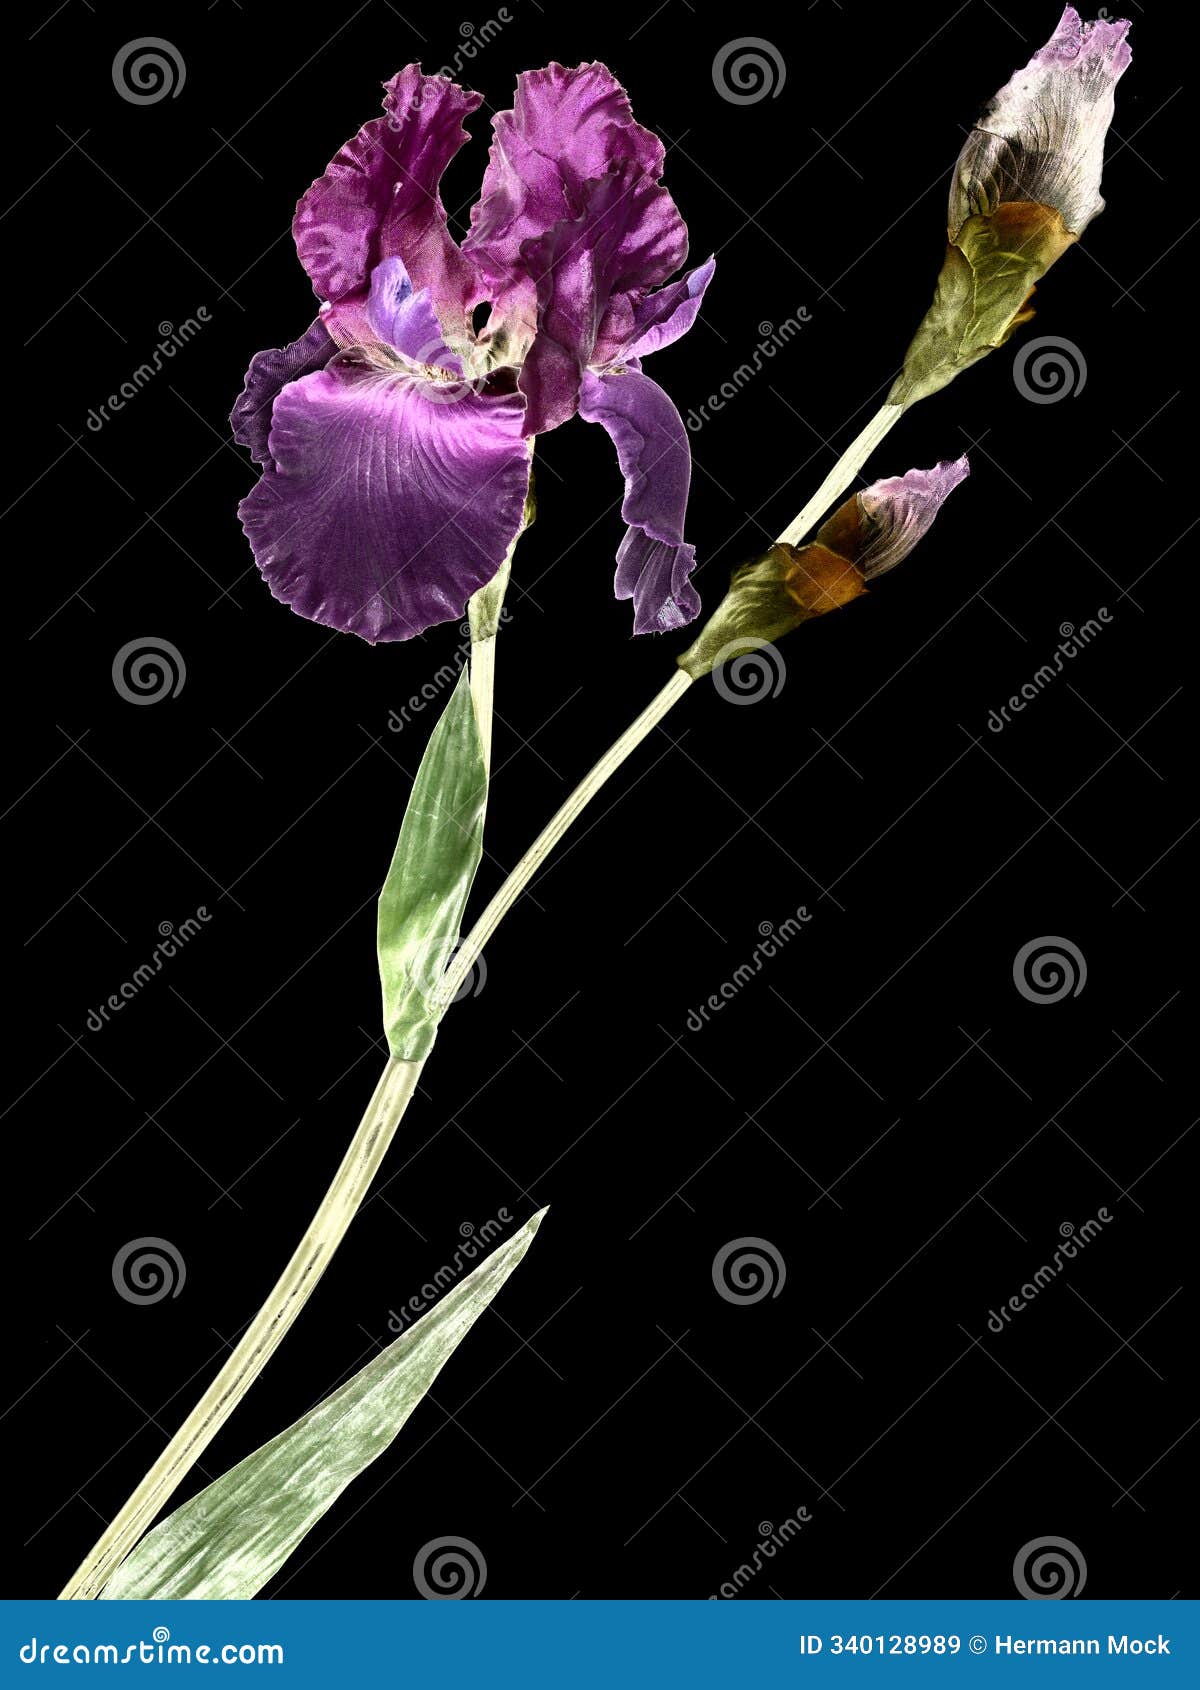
{"points": [[425, 893], [233, 1536]]}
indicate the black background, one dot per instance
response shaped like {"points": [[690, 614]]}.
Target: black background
{"points": [[880, 1103]]}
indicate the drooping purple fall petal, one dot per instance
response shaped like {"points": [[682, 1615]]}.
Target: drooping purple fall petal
{"points": [[392, 500], [269, 373], [379, 199], [654, 562], [1042, 137]]}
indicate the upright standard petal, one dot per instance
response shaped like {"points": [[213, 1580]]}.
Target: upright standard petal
{"points": [[268, 375], [379, 199], [1041, 139], [657, 319], [654, 562], [556, 156], [393, 498]]}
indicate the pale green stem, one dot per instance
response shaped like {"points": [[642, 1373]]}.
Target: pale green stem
{"points": [[842, 473], [467, 953], [264, 1334]]}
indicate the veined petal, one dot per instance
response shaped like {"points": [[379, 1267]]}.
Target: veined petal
{"points": [[1041, 139], [665, 315], [877, 528], [379, 199], [654, 562], [393, 498], [268, 375]]}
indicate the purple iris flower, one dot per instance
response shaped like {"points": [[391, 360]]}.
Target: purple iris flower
{"points": [[395, 436]]}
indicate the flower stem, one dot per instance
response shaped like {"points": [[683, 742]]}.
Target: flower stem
{"points": [[842, 473], [467, 953], [264, 1334]]}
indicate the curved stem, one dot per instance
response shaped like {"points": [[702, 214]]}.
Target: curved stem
{"points": [[264, 1334], [842, 473], [548, 838]]}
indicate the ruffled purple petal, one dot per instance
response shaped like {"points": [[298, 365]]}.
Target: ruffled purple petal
{"points": [[666, 315], [393, 498], [379, 199], [268, 375], [1042, 137], [654, 562], [899, 510]]}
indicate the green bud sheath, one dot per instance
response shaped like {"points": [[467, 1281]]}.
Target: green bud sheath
{"points": [[771, 596], [991, 267]]}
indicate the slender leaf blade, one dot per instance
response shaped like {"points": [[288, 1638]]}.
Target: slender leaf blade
{"points": [[227, 1541], [423, 898]]}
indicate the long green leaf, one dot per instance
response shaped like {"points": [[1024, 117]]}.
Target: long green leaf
{"points": [[425, 893], [233, 1536]]}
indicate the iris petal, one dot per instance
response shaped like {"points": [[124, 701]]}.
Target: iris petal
{"points": [[268, 375], [393, 498], [654, 562]]}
